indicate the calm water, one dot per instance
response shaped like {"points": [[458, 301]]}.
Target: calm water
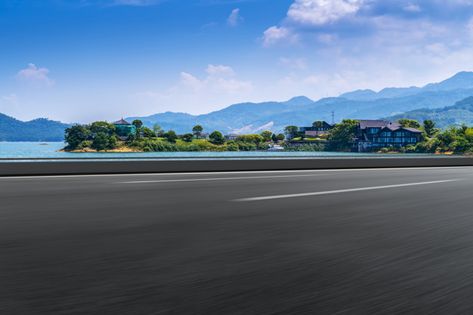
{"points": [[51, 150]]}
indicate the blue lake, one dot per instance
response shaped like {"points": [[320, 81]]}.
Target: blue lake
{"points": [[30, 150]]}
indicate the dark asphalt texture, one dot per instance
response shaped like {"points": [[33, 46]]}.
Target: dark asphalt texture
{"points": [[181, 244]]}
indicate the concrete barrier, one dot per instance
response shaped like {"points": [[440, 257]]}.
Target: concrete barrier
{"points": [[78, 167]]}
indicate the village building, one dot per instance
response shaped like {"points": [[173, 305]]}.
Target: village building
{"points": [[319, 128], [376, 134], [124, 129]]}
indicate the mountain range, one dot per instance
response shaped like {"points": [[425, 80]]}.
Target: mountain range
{"points": [[302, 111], [447, 102]]}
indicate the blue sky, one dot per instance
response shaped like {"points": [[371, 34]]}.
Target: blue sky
{"points": [[82, 60]]}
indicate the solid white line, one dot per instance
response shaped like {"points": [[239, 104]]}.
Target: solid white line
{"points": [[331, 192], [235, 172]]}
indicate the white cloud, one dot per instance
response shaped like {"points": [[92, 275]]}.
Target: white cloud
{"points": [[35, 75], [319, 12], [235, 18], [412, 7], [215, 70], [275, 34], [218, 86]]}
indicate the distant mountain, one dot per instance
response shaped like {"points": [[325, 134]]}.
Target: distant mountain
{"points": [[40, 129], [300, 111], [456, 115], [460, 81]]}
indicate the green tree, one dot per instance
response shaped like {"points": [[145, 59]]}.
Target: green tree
{"points": [[281, 137], [137, 123], [409, 123], [187, 137], [170, 136], [267, 135], [318, 124], [75, 135], [256, 139], [429, 128], [102, 127], [342, 135], [148, 133], [103, 141], [291, 131], [274, 138], [158, 130], [216, 137], [197, 131]]}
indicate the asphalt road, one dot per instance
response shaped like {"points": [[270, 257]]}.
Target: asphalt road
{"points": [[380, 241]]}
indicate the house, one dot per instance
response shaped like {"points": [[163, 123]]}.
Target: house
{"points": [[376, 134], [319, 128], [231, 136], [124, 129]]}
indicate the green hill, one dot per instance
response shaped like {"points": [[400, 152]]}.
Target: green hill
{"points": [[41, 129]]}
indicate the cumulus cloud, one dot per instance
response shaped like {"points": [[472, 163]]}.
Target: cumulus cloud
{"points": [[218, 85], [36, 75], [319, 12], [235, 18], [275, 34]]}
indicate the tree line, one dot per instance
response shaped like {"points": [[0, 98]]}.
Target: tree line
{"points": [[103, 136]]}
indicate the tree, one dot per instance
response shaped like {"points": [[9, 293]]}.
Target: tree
{"points": [[197, 131], [429, 128], [291, 131], [341, 136], [266, 135], [256, 139], [274, 138], [187, 137], [170, 136], [216, 137], [281, 137], [75, 135], [103, 141], [158, 130], [137, 123], [148, 133], [102, 127], [409, 123]]}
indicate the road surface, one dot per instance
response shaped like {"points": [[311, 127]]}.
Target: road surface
{"points": [[378, 241]]}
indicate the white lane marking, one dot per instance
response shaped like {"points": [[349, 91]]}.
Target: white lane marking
{"points": [[213, 179], [340, 191], [237, 172]]}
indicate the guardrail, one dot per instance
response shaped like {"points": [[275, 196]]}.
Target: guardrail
{"points": [[83, 167]]}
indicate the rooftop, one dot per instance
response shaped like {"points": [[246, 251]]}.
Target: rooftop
{"points": [[122, 122]]}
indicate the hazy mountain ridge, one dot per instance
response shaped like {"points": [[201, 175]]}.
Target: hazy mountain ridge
{"points": [[41, 129], [361, 104], [456, 115]]}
